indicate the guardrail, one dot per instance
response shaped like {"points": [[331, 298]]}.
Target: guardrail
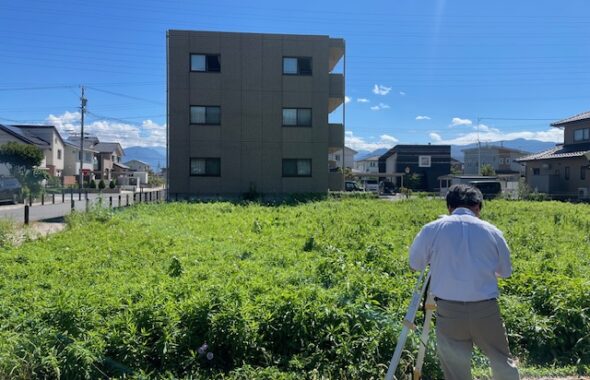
{"points": [[60, 205]]}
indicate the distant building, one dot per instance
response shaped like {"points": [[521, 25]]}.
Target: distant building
{"points": [[45, 137], [501, 159], [138, 166], [72, 161], [428, 162], [335, 158], [367, 165], [250, 111], [563, 171]]}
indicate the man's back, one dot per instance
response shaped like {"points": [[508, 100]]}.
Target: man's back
{"points": [[465, 256]]}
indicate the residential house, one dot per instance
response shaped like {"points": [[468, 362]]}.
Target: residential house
{"points": [[428, 162], [138, 166], [367, 165], [45, 137], [249, 111], [72, 163], [501, 159], [564, 170], [335, 158], [108, 164]]}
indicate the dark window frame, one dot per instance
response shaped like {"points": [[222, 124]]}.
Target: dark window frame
{"points": [[207, 69], [582, 173], [190, 116], [536, 171], [297, 123], [190, 160], [298, 58], [566, 173], [296, 161]]}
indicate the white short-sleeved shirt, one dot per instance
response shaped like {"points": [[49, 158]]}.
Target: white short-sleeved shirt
{"points": [[465, 254]]}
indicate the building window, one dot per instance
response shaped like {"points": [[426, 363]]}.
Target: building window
{"points": [[296, 167], [297, 65], [337, 157], [582, 134], [208, 115], [566, 173], [205, 167], [59, 154], [297, 117], [424, 161], [205, 63], [582, 173], [372, 164], [536, 171]]}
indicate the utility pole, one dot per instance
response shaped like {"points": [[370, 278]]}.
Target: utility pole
{"points": [[82, 112]]}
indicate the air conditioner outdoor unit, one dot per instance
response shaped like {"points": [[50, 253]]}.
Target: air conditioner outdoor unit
{"points": [[582, 192]]}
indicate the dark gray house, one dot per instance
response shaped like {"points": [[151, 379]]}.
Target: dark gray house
{"points": [[427, 161]]}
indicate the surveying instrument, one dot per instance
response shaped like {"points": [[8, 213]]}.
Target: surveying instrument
{"points": [[408, 324]]}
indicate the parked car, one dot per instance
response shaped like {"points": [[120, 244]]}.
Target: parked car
{"points": [[387, 187], [352, 186], [489, 189], [372, 185], [10, 189]]}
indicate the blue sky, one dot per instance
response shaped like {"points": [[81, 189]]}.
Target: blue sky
{"points": [[416, 71]]}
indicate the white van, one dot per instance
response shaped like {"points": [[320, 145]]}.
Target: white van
{"points": [[371, 185]]}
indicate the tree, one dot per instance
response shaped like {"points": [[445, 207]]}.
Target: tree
{"points": [[101, 184], [22, 160], [92, 184], [487, 170], [112, 184]]}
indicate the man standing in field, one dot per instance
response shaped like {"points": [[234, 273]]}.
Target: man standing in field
{"points": [[466, 255]]}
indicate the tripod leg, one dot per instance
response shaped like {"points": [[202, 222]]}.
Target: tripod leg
{"points": [[419, 289], [430, 307]]}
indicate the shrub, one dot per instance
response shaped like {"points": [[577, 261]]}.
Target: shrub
{"points": [[112, 184], [92, 184], [101, 184]]}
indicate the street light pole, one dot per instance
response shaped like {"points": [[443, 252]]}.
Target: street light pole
{"points": [[82, 112]]}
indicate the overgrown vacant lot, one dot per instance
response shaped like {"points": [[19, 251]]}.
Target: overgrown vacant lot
{"points": [[248, 291]]}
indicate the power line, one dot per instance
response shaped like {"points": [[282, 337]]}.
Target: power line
{"points": [[126, 96]]}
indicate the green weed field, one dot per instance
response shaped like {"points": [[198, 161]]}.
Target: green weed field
{"points": [[316, 290]]}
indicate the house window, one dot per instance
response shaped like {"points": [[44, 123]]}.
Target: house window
{"points": [[206, 115], [372, 164], [59, 154], [566, 173], [337, 157], [424, 161], [297, 117], [582, 134], [582, 173], [205, 63], [297, 65], [536, 171], [205, 167], [297, 167]]}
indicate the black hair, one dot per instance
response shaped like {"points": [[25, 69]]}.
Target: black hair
{"points": [[464, 196]]}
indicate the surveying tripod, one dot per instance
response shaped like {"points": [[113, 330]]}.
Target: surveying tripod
{"points": [[408, 323]]}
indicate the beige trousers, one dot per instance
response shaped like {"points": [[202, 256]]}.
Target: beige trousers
{"points": [[459, 325]]}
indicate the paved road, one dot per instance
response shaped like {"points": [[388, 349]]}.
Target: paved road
{"points": [[38, 212]]}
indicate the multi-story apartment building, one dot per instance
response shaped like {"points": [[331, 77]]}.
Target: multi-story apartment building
{"points": [[501, 159], [250, 112]]}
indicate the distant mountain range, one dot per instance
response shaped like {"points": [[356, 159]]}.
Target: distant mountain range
{"points": [[154, 156], [531, 146]]}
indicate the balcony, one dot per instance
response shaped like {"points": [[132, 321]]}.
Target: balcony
{"points": [[335, 137], [336, 52], [336, 92]]}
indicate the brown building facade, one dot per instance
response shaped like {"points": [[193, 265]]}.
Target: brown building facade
{"points": [[250, 112]]}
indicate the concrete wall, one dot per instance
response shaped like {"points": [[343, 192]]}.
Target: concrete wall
{"points": [[251, 91]]}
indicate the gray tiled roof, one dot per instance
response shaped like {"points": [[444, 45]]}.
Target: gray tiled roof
{"points": [[578, 117], [559, 151], [25, 135], [107, 147]]}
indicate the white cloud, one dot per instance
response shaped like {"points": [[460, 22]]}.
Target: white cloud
{"points": [[380, 106], [148, 133], [552, 135], [419, 117], [380, 89], [485, 128], [402, 93], [360, 143], [346, 99], [388, 138], [362, 100], [457, 121], [435, 137]]}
